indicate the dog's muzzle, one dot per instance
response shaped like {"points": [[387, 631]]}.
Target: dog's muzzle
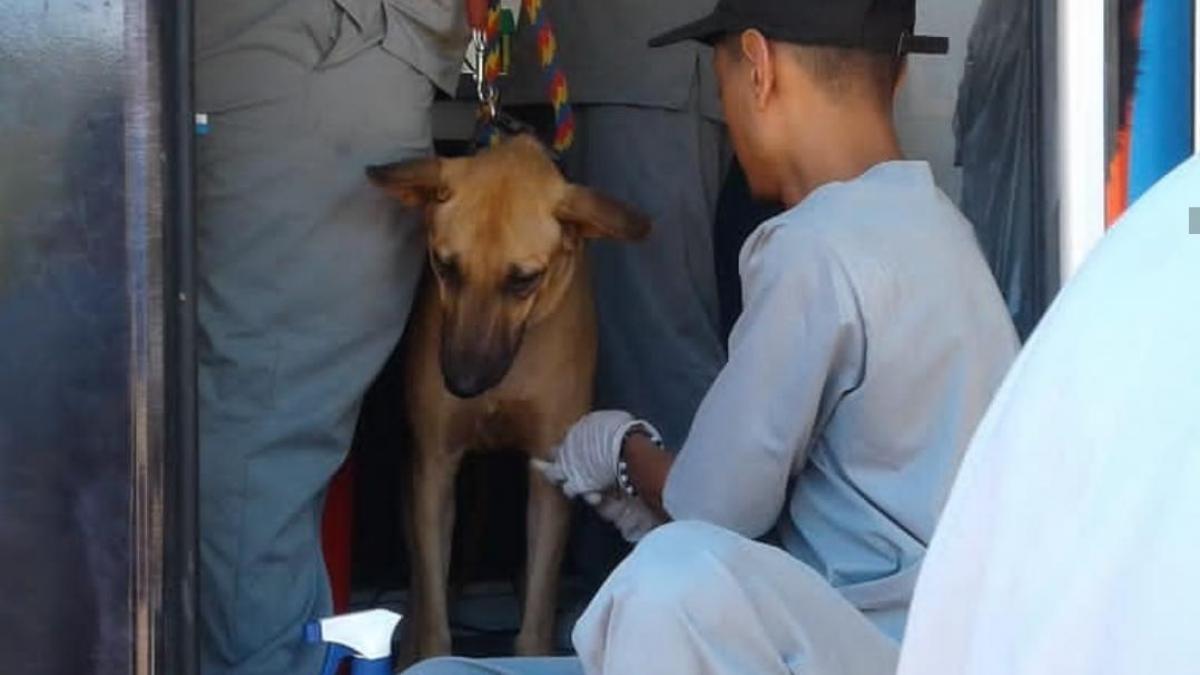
{"points": [[471, 374]]}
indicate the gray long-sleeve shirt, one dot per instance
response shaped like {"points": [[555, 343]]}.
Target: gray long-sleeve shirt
{"points": [[253, 51], [872, 340]]}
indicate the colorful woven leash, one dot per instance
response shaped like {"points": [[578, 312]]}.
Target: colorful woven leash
{"points": [[553, 76]]}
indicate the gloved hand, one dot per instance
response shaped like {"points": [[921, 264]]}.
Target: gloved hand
{"points": [[630, 515], [587, 459]]}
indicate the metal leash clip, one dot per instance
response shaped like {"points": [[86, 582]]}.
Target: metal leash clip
{"points": [[484, 90]]}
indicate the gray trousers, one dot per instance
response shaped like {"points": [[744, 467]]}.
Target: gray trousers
{"points": [[659, 319], [306, 278], [694, 599]]}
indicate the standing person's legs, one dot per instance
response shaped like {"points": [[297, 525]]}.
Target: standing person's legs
{"points": [[656, 301], [306, 278]]}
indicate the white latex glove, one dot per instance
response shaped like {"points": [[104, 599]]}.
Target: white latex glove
{"points": [[630, 515], [587, 459]]}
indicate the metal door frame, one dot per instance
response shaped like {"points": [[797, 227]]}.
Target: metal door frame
{"points": [[1082, 97], [161, 244]]}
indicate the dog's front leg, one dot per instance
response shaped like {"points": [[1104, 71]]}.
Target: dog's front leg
{"points": [[431, 524], [547, 521]]}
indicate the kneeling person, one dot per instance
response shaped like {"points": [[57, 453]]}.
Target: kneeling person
{"points": [[872, 341]]}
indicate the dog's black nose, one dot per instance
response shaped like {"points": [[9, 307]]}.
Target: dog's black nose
{"points": [[468, 374], [467, 385]]}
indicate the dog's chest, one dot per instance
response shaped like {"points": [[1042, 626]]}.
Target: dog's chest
{"points": [[502, 423]]}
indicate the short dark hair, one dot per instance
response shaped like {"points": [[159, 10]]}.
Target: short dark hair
{"points": [[841, 71], [844, 71]]}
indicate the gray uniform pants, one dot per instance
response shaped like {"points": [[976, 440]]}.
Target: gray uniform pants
{"points": [[694, 599], [659, 320], [306, 279]]}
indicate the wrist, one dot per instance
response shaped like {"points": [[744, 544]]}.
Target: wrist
{"points": [[637, 429]]}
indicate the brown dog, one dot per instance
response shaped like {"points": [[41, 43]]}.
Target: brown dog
{"points": [[501, 351]]}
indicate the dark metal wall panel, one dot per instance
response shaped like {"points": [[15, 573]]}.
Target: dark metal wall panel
{"points": [[65, 430], [92, 580]]}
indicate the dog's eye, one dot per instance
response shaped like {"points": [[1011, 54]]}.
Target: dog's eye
{"points": [[521, 284], [446, 269]]}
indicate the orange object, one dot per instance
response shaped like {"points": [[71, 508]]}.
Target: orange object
{"points": [[337, 526], [1117, 190], [1117, 187]]}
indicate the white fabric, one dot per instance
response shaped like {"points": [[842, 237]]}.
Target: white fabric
{"points": [[693, 598], [872, 340], [1071, 542]]}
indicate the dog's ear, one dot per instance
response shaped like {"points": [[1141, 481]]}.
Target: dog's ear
{"points": [[595, 216], [417, 182]]}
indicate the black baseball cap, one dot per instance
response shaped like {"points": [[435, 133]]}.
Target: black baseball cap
{"points": [[884, 26]]}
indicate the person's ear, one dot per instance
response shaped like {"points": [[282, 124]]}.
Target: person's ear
{"points": [[756, 49], [591, 215], [418, 182]]}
